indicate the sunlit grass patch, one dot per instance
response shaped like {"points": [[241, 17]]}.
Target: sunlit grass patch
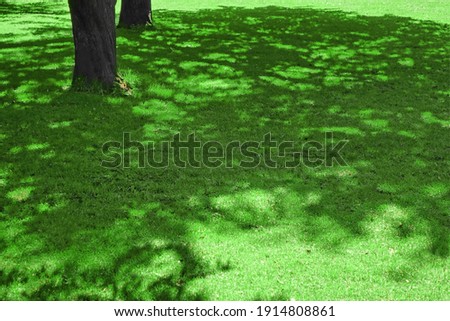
{"points": [[20, 194]]}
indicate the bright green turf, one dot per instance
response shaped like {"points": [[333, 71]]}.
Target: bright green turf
{"points": [[375, 230], [436, 10]]}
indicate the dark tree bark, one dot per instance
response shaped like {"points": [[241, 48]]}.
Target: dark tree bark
{"points": [[135, 13], [94, 35]]}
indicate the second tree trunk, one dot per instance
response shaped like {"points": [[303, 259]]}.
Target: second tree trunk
{"points": [[135, 13]]}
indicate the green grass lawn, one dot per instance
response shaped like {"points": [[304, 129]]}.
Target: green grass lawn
{"points": [[377, 229], [435, 10]]}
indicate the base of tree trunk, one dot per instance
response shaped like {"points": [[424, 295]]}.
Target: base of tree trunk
{"points": [[120, 87], [148, 25]]}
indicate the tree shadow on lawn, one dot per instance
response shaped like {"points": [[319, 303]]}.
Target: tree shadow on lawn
{"points": [[75, 230], [379, 82]]}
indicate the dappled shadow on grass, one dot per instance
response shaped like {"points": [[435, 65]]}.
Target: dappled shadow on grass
{"points": [[379, 82], [75, 230]]}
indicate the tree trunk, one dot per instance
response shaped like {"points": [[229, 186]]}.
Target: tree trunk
{"points": [[94, 35], [135, 13]]}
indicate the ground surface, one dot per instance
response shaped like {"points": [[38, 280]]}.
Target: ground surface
{"points": [[377, 229]]}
